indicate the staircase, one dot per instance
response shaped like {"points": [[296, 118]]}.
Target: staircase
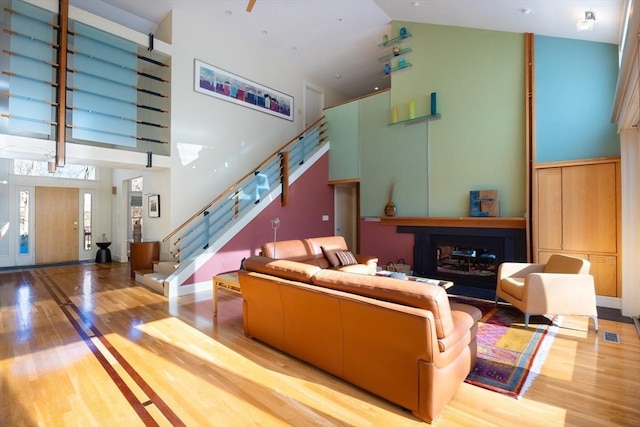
{"points": [[155, 279], [199, 238]]}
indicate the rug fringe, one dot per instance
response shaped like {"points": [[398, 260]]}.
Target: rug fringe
{"points": [[541, 355]]}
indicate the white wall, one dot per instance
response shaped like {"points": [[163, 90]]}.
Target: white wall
{"points": [[153, 229], [214, 142]]}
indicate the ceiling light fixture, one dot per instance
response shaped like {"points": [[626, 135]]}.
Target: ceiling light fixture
{"points": [[526, 11], [589, 20]]}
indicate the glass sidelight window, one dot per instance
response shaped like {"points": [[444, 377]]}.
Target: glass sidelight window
{"points": [[24, 204], [87, 212]]}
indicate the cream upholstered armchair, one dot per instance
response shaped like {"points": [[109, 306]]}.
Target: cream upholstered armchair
{"points": [[561, 286]]}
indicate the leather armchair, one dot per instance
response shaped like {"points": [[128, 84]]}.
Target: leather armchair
{"points": [[561, 286]]}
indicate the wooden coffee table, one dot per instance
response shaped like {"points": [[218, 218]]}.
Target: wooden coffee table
{"points": [[228, 281]]}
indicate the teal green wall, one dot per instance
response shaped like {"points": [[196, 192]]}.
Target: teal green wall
{"points": [[575, 86], [344, 135], [479, 142], [391, 153]]}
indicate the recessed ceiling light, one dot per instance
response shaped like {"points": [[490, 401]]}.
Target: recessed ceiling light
{"points": [[338, 76], [228, 13], [526, 11], [415, 3], [294, 49], [339, 19], [375, 88], [264, 32]]}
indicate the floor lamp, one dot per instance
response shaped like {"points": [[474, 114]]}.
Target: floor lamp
{"points": [[275, 224]]}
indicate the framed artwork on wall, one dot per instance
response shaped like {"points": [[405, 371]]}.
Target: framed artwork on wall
{"points": [[154, 206], [216, 82]]}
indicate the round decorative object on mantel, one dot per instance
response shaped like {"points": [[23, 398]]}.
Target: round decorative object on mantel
{"points": [[390, 209]]}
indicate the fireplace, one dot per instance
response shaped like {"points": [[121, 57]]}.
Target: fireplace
{"points": [[464, 255]]}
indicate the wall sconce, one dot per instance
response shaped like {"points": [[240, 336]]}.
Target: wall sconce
{"points": [[275, 224], [589, 20]]}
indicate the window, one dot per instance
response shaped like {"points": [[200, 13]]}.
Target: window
{"points": [[86, 218], [24, 222], [136, 209], [41, 168]]}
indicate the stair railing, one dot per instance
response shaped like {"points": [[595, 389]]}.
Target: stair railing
{"points": [[197, 233]]}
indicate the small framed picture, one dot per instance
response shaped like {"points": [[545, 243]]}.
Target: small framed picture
{"points": [[154, 206]]}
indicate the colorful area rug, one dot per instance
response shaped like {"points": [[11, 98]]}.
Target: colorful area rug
{"points": [[509, 356]]}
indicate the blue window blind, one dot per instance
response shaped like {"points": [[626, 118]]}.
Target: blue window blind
{"points": [[31, 70], [117, 90]]}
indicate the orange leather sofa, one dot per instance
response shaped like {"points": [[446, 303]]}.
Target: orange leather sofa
{"points": [[310, 251], [399, 339]]}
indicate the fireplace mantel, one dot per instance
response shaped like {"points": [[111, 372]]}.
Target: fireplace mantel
{"points": [[463, 221]]}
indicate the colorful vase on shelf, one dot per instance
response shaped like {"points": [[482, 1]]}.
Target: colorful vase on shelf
{"points": [[403, 32], [396, 49], [385, 39], [387, 68], [390, 209], [412, 110]]}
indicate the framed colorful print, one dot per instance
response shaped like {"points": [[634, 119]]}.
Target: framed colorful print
{"points": [[222, 84]]}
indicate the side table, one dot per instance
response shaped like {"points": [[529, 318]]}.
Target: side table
{"points": [[228, 281]]}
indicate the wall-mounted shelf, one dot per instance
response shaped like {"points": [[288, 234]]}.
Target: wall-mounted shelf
{"points": [[396, 68], [394, 40], [420, 119], [389, 57]]}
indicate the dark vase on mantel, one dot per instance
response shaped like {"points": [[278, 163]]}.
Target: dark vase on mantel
{"points": [[390, 209]]}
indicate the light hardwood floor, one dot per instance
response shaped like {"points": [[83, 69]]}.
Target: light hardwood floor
{"points": [[84, 345]]}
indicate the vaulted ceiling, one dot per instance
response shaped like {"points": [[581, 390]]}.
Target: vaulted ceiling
{"points": [[335, 41]]}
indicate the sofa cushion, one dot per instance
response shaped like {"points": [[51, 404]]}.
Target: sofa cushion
{"points": [[566, 264], [354, 268], [282, 268], [330, 253], [514, 286], [346, 258], [405, 292]]}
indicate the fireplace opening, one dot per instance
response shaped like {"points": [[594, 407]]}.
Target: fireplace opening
{"points": [[464, 259], [467, 260], [464, 255]]}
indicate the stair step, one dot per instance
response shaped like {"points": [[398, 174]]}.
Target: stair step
{"points": [[165, 267], [151, 279]]}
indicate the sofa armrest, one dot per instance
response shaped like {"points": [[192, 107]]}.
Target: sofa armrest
{"points": [[369, 260], [518, 269], [560, 293]]}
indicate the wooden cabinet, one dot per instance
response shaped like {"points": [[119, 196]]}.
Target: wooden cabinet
{"points": [[142, 256], [577, 212]]}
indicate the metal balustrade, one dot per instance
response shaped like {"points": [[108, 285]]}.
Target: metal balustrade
{"points": [[196, 234]]}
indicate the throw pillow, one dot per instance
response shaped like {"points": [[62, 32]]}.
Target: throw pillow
{"points": [[330, 253], [346, 258]]}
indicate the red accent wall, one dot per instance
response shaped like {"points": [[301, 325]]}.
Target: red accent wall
{"points": [[385, 242], [310, 197]]}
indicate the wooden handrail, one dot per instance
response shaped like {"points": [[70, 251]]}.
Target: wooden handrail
{"points": [[235, 184]]}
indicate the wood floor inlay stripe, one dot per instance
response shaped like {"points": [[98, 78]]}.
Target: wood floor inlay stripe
{"points": [[69, 309]]}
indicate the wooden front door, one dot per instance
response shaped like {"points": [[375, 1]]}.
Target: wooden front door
{"points": [[56, 224]]}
